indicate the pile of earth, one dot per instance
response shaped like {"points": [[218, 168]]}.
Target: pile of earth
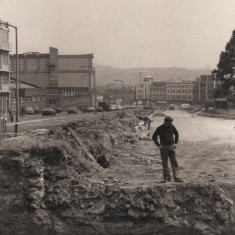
{"points": [[51, 184]]}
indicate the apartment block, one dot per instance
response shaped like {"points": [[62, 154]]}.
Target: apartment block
{"points": [[5, 103]]}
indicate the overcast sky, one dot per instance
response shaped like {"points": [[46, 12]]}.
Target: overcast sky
{"points": [[125, 33]]}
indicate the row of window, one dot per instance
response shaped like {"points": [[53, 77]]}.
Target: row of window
{"points": [[4, 36], [179, 91], [179, 86], [157, 96], [74, 90], [30, 98], [179, 97]]}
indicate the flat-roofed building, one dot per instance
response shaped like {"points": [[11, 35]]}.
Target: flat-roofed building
{"points": [[179, 91], [203, 88], [157, 91], [5, 98], [68, 79]]}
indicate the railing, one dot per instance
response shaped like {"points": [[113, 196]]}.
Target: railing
{"points": [[6, 47]]}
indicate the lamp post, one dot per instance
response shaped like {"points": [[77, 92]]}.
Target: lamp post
{"points": [[17, 72], [23, 54], [93, 71]]}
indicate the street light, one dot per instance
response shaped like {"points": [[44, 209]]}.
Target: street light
{"points": [[23, 54], [93, 70], [17, 72]]}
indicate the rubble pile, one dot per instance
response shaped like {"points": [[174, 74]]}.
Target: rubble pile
{"points": [[51, 185]]}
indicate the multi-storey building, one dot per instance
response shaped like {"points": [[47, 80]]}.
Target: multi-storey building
{"points": [[4, 70], [142, 91], [67, 79], [157, 91], [179, 91], [203, 88]]}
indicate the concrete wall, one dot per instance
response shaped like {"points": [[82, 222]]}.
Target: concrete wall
{"points": [[72, 63], [73, 79]]}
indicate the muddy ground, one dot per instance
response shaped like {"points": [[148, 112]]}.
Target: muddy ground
{"points": [[63, 192]]}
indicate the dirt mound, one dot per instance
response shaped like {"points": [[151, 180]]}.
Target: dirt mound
{"points": [[56, 182]]}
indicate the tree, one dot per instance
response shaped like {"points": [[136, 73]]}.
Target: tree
{"points": [[225, 70]]}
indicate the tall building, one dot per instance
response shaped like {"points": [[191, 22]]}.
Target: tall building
{"points": [[203, 88], [67, 79], [4, 70], [142, 93]]}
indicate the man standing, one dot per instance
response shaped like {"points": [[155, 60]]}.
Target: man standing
{"points": [[169, 138]]}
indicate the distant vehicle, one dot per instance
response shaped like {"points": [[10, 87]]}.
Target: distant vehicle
{"points": [[148, 106], [119, 107], [48, 112], [37, 110], [112, 107], [171, 107], [58, 109], [99, 109], [72, 110], [104, 105], [29, 110], [88, 109], [140, 106], [184, 106]]}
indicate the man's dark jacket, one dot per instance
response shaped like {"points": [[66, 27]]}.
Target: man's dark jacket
{"points": [[166, 134]]}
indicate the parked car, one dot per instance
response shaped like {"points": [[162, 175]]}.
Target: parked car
{"points": [[58, 109], [99, 109], [119, 107], [91, 109], [184, 106], [72, 110], [37, 110], [112, 107], [48, 112], [29, 110], [88, 109]]}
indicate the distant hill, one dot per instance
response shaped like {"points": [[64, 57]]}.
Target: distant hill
{"points": [[131, 76]]}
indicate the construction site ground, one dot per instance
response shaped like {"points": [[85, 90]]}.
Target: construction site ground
{"points": [[205, 153], [206, 150]]}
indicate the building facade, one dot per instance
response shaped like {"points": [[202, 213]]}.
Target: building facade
{"points": [[68, 79], [179, 91], [142, 92], [157, 91], [203, 88], [5, 103]]}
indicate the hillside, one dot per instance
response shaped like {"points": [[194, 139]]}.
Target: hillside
{"points": [[106, 74]]}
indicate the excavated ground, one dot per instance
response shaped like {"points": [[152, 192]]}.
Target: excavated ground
{"points": [[50, 183]]}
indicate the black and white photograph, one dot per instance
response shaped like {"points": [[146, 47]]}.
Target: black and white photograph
{"points": [[117, 117]]}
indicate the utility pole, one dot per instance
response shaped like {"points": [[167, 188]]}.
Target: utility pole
{"points": [[94, 73]]}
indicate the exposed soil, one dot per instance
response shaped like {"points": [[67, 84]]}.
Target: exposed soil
{"points": [[50, 186]]}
